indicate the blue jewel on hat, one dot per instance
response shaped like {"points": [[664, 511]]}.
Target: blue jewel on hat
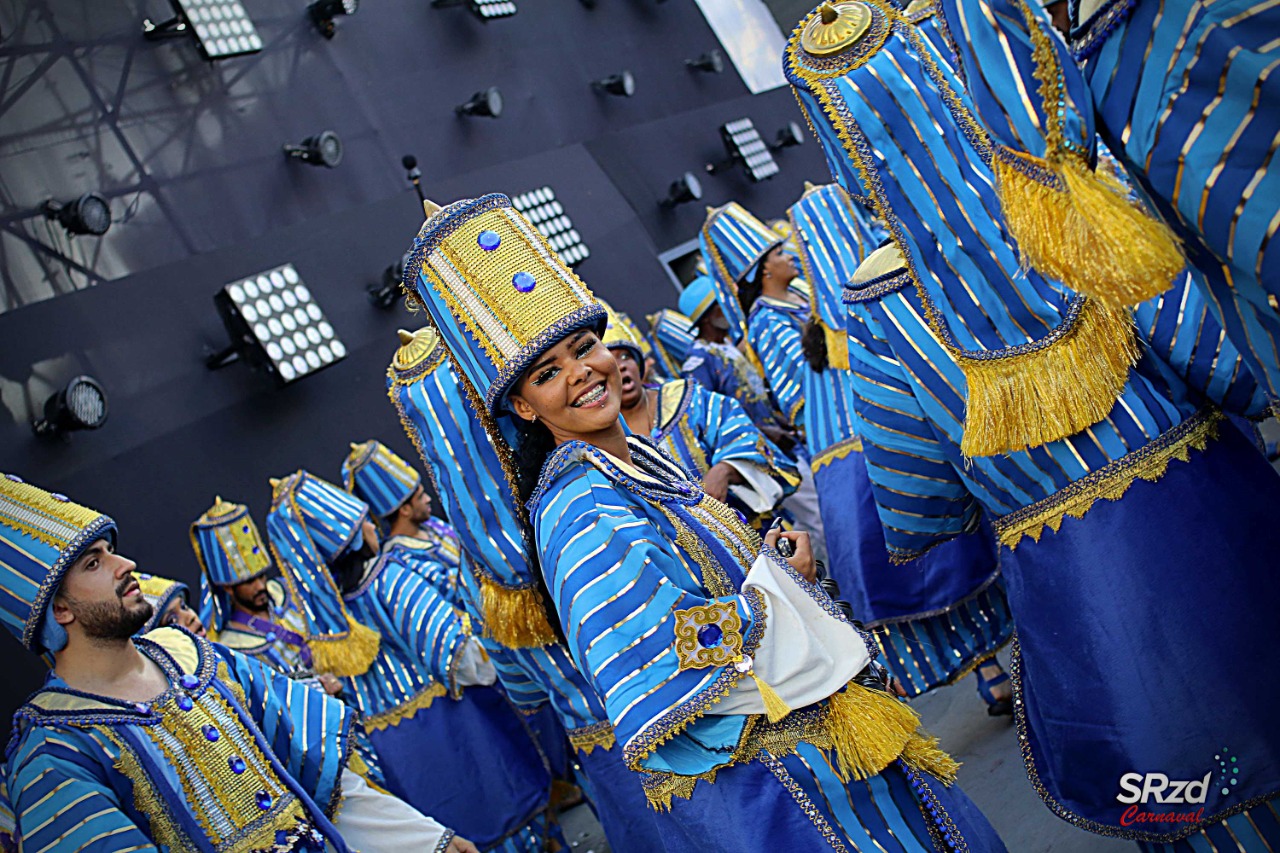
{"points": [[185, 703], [58, 497], [210, 733], [523, 282], [264, 800], [489, 240], [271, 636], [189, 681], [141, 707], [14, 477], [236, 763]]}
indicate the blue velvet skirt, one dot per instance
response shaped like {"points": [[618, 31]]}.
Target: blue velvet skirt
{"points": [[471, 764], [619, 802], [1144, 636]]}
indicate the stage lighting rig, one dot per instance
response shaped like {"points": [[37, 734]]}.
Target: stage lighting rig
{"points": [[81, 404], [547, 215], [743, 145], [485, 10], [486, 103], [322, 13], [386, 294], [222, 27], [323, 149], [711, 62], [276, 325], [621, 85], [790, 134], [89, 214], [414, 174], [683, 189]]}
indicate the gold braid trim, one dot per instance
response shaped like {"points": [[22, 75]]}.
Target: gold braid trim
{"points": [[1035, 397], [869, 729], [1073, 223], [1110, 482], [587, 738], [516, 618], [147, 801], [400, 713], [346, 656], [837, 346], [836, 451]]}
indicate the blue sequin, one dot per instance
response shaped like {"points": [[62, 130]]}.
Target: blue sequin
{"points": [[271, 636], [142, 707], [523, 282], [210, 733], [189, 681], [710, 635], [489, 240]]}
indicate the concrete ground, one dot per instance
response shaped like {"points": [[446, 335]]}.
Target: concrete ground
{"points": [[991, 774]]}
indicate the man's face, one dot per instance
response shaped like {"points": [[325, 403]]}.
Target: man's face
{"points": [[631, 372], [100, 594], [716, 319], [418, 506], [252, 595]]}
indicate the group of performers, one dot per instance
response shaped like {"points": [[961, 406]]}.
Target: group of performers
{"points": [[992, 385]]}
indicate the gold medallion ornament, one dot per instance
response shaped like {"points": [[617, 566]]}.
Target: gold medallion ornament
{"points": [[708, 635], [836, 27]]}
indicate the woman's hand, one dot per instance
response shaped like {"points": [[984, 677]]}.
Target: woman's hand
{"points": [[331, 684], [802, 560], [719, 478], [461, 845]]}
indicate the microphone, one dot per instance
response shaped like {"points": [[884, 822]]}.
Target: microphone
{"points": [[410, 164]]}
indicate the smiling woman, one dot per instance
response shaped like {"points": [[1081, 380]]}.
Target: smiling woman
{"points": [[733, 683]]}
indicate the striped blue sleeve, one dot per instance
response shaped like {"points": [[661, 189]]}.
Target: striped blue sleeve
{"points": [[777, 343], [63, 801], [919, 495], [424, 619], [733, 437], [1187, 337]]}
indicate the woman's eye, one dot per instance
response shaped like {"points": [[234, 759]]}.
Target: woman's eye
{"points": [[586, 348], [545, 376]]}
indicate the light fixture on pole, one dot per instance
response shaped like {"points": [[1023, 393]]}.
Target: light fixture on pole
{"points": [[484, 103], [88, 214], [743, 146], [222, 27], [711, 62], [790, 134], [414, 174], [323, 149], [485, 10], [621, 85], [387, 293], [322, 13], [81, 404], [683, 189]]}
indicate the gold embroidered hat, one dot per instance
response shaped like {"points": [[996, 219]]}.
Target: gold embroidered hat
{"points": [[379, 477], [498, 294], [619, 334], [41, 535], [230, 551], [160, 592]]}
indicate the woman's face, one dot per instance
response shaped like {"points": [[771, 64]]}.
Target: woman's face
{"points": [[178, 613], [573, 388], [780, 266]]}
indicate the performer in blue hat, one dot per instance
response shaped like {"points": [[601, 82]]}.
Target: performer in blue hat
{"points": [[670, 338], [425, 691], [734, 685], [943, 614], [169, 605], [394, 492], [165, 741], [503, 592]]}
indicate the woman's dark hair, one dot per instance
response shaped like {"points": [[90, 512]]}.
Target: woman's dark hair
{"points": [[814, 345], [749, 290], [347, 569], [532, 449]]}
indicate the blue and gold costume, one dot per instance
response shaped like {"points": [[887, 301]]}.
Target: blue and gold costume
{"points": [[671, 335], [410, 695], [231, 757], [1185, 95], [940, 615], [532, 663], [650, 580]]}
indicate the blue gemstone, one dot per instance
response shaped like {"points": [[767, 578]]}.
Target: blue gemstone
{"points": [[255, 549], [271, 636], [282, 838], [142, 708], [741, 517], [185, 703], [245, 528], [489, 240], [57, 497], [210, 733], [14, 477], [237, 765], [264, 800], [710, 635], [523, 282], [189, 681]]}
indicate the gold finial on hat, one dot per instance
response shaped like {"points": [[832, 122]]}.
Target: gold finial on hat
{"points": [[809, 186], [836, 27], [429, 207], [415, 347], [406, 337], [829, 13]]}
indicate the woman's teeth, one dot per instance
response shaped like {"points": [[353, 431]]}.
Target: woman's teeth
{"points": [[592, 396]]}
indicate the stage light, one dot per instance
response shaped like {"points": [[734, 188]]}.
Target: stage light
{"points": [[323, 149], [789, 135], [386, 294], [622, 84], [414, 174], [485, 10], [711, 62], [683, 189], [82, 404], [323, 12], [276, 325], [547, 215], [743, 145], [486, 103], [222, 27], [89, 214]]}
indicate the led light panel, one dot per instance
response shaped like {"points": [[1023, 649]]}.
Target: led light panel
{"points": [[222, 27], [743, 143], [493, 8], [548, 216]]}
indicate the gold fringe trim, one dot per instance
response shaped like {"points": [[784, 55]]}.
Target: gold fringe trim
{"points": [[516, 618], [349, 656], [400, 713], [869, 729], [836, 451], [775, 708], [1109, 483], [837, 347], [1090, 237], [1033, 398], [587, 738]]}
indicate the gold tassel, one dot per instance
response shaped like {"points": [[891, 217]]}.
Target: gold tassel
{"points": [[350, 656], [775, 708], [837, 347], [1031, 399], [869, 729], [1091, 237], [923, 753], [516, 618]]}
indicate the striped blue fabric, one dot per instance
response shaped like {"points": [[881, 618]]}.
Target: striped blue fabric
{"points": [[429, 560], [230, 550], [377, 476], [774, 331], [833, 234], [722, 368], [671, 334], [733, 242]]}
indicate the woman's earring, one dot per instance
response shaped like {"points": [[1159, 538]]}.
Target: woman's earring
{"points": [[533, 420]]}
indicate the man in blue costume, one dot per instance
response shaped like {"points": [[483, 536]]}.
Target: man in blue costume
{"points": [[166, 741], [421, 685], [503, 585], [169, 606], [671, 335]]}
